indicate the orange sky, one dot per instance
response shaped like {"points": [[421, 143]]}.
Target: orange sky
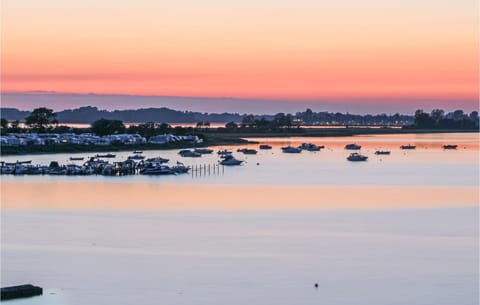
{"points": [[252, 49]]}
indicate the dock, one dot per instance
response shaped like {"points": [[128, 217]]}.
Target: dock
{"points": [[20, 291]]}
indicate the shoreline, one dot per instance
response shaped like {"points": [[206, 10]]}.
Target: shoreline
{"points": [[214, 138]]}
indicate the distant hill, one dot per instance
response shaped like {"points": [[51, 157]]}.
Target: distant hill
{"points": [[13, 114], [90, 114]]}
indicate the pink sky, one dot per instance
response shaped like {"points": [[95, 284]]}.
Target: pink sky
{"points": [[360, 52]]}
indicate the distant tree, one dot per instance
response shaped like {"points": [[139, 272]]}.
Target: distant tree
{"points": [[437, 115], [458, 115], [231, 125], [4, 123], [474, 116], [41, 118], [248, 121], [423, 120], [105, 127]]}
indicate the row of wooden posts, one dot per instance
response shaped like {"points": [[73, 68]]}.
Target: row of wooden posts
{"points": [[207, 169]]}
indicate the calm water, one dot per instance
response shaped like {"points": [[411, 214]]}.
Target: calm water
{"points": [[398, 229]]}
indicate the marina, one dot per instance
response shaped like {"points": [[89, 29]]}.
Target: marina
{"points": [[266, 221]]}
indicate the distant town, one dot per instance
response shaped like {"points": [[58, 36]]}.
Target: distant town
{"points": [[26, 131]]}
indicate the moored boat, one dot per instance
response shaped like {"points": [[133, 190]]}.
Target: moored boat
{"points": [[136, 157], [188, 153], [265, 146], [203, 151], [382, 152], [408, 146], [353, 146], [450, 146], [105, 155], [230, 160], [310, 147], [248, 151], [76, 158], [291, 150], [357, 157], [157, 160]]}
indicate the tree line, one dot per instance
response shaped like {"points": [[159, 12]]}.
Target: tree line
{"points": [[43, 120]]}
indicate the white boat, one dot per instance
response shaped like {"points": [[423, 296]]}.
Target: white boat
{"points": [[180, 168], [156, 170], [203, 150], [230, 160], [105, 155], [157, 160], [187, 153], [352, 146], [310, 147], [357, 157], [248, 151], [136, 157], [291, 150]]}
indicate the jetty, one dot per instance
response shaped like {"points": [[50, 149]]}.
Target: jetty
{"points": [[20, 291]]}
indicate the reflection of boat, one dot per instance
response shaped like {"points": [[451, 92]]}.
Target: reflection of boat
{"points": [[189, 153], [357, 157], [230, 160], [450, 146], [382, 152], [105, 155], [352, 146], [136, 157], [408, 146], [291, 150], [248, 151], [310, 147], [76, 158], [265, 146], [203, 150]]}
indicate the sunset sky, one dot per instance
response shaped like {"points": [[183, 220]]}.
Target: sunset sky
{"points": [[344, 51]]}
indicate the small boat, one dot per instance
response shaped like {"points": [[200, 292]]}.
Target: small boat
{"points": [[230, 160], [76, 158], [357, 157], [180, 168], [310, 147], [265, 146], [105, 155], [156, 170], [24, 162], [224, 152], [187, 153], [138, 152], [353, 146], [203, 151], [450, 146], [382, 152], [136, 157], [408, 146], [248, 151], [157, 160], [291, 150]]}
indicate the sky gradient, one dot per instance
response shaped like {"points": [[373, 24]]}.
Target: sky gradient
{"points": [[345, 52]]}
